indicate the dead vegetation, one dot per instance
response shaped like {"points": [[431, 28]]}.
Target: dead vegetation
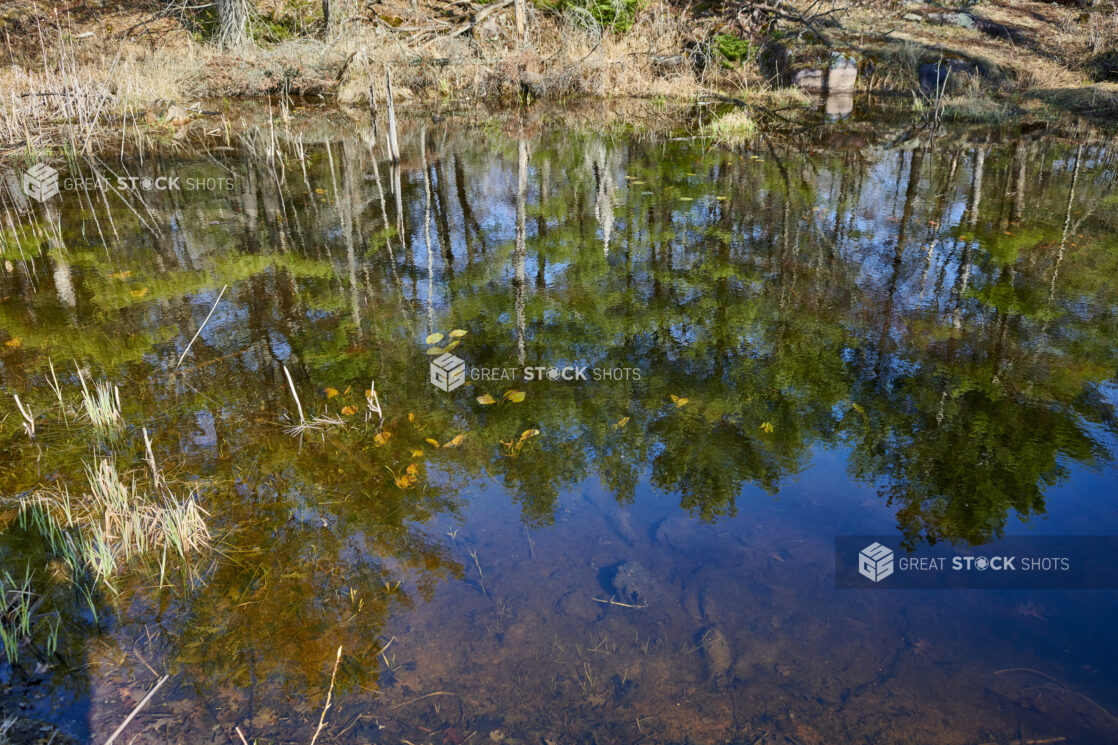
{"points": [[82, 78]]}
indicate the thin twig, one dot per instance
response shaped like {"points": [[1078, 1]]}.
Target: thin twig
{"points": [[298, 404], [199, 331], [329, 693], [136, 711]]}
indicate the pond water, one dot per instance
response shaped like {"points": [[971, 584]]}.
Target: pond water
{"points": [[813, 338]]}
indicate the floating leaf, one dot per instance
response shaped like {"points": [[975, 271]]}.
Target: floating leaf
{"points": [[331, 392], [431, 441], [416, 453], [485, 399], [434, 338], [456, 441], [349, 410], [368, 393], [122, 275], [411, 416], [528, 433], [380, 438], [766, 426], [412, 469], [319, 191], [677, 400], [138, 293], [621, 422], [436, 350], [452, 345], [857, 408], [457, 334], [15, 343], [514, 395]]}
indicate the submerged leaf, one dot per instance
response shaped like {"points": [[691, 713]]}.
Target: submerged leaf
{"points": [[349, 410], [456, 441], [435, 351], [434, 338], [457, 334], [416, 453], [766, 426], [381, 438], [678, 401], [331, 392], [433, 442], [528, 433], [621, 422]]}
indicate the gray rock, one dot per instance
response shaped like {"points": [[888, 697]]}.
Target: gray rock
{"points": [[840, 77], [716, 651], [915, 18], [962, 20], [633, 584]]}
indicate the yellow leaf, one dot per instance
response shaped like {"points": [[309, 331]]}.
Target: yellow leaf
{"points": [[411, 416], [331, 392], [457, 334], [349, 410], [514, 395], [485, 399], [416, 453], [368, 393], [456, 441], [435, 351], [138, 293], [122, 275], [677, 400], [434, 338], [319, 191], [412, 469], [528, 433], [15, 343], [432, 442], [857, 408], [766, 426], [348, 388], [452, 345], [621, 423], [380, 438]]}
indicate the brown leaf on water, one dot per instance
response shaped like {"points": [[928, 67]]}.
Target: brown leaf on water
{"points": [[456, 441], [331, 392], [432, 442], [349, 410], [416, 453], [412, 469]]}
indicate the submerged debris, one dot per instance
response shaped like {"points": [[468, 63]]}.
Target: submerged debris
{"points": [[716, 651]]}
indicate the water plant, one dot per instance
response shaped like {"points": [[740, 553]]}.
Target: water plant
{"points": [[102, 406]]}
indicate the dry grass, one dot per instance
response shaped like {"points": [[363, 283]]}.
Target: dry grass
{"points": [[733, 129]]}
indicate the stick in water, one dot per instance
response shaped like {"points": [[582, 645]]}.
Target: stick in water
{"points": [[329, 695], [136, 711], [199, 331], [290, 382]]}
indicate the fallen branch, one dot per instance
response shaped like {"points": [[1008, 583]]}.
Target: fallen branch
{"points": [[136, 711]]}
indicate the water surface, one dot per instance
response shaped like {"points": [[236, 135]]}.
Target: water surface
{"points": [[830, 338]]}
